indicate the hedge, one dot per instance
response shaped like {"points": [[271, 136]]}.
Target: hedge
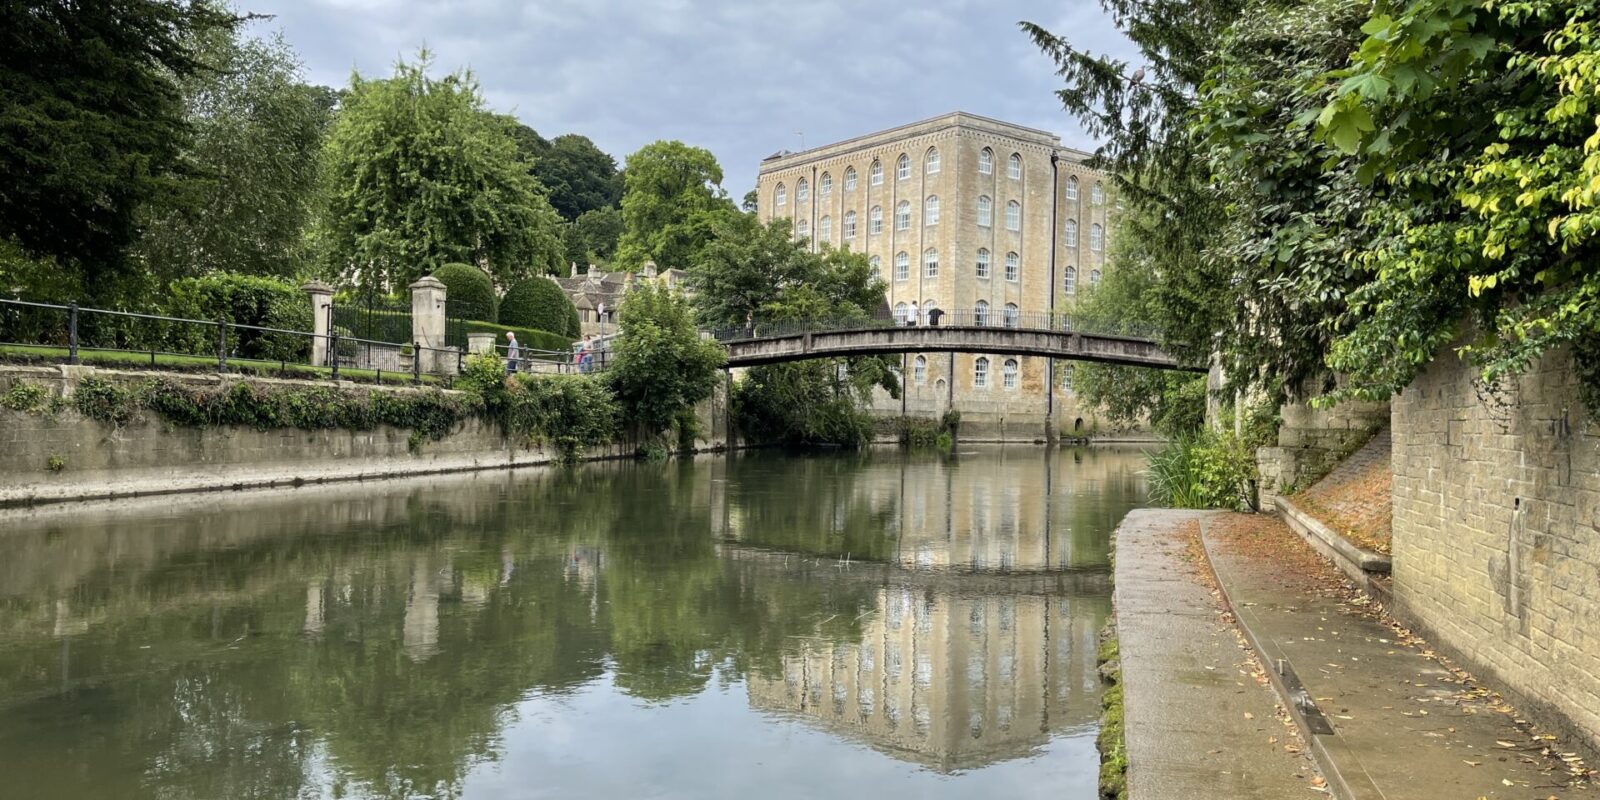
{"points": [[469, 291], [526, 337], [541, 304]]}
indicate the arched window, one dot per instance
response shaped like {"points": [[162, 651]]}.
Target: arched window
{"points": [[877, 266], [1013, 267], [875, 174], [931, 164], [902, 312], [1094, 278], [1069, 233], [902, 169], [1097, 195], [1013, 315], [802, 229], [980, 313], [849, 224], [802, 191], [825, 186], [902, 216], [1014, 167], [902, 266], [1072, 187], [849, 179], [985, 211], [930, 210], [1013, 216], [1008, 374], [1096, 234], [825, 228], [983, 262], [980, 372], [875, 220], [780, 197], [919, 369], [930, 263], [1069, 280], [985, 161]]}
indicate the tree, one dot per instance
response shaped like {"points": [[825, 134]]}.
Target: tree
{"points": [[257, 131], [580, 177], [592, 237], [91, 128], [418, 174], [469, 292], [662, 366], [540, 304], [673, 199]]}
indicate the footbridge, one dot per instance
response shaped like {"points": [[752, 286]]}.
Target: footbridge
{"points": [[1047, 335]]}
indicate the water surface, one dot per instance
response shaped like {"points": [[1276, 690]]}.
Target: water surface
{"points": [[879, 625]]}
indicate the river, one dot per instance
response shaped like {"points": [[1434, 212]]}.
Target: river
{"points": [[877, 625]]}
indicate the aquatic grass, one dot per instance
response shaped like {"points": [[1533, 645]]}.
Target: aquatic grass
{"points": [[1206, 470]]}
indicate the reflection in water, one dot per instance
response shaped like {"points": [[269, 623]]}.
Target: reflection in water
{"points": [[720, 628]]}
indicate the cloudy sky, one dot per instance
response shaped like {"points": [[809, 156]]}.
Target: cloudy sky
{"points": [[742, 78]]}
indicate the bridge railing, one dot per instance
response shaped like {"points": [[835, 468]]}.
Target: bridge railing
{"points": [[939, 318]]}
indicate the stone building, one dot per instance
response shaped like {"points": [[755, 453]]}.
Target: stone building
{"points": [[985, 220], [594, 290]]}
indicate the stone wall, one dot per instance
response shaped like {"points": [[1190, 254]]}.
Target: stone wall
{"points": [[93, 459], [1311, 441], [1496, 549]]}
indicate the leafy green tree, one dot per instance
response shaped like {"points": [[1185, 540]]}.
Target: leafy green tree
{"points": [[257, 131], [672, 202], [91, 129], [469, 292], [539, 303], [662, 366], [418, 174], [581, 177], [592, 237]]}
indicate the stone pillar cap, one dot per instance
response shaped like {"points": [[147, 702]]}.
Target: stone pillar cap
{"points": [[428, 282], [316, 287]]}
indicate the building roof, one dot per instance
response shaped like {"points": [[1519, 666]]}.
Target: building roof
{"points": [[785, 159]]}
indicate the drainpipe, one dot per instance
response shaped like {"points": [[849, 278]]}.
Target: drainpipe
{"points": [[812, 201], [1050, 363]]}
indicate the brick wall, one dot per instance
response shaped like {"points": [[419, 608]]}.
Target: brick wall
{"points": [[1496, 549]]}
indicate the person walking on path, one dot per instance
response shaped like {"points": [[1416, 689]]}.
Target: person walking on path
{"points": [[513, 353], [586, 354]]}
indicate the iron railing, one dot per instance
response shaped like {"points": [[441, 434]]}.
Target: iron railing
{"points": [[969, 318]]}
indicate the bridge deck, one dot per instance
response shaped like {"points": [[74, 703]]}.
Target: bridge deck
{"points": [[1068, 345]]}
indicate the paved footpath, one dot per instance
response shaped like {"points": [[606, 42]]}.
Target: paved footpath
{"points": [[1386, 717], [1201, 719]]}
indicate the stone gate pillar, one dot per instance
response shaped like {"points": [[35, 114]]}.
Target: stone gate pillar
{"points": [[321, 318], [427, 322]]}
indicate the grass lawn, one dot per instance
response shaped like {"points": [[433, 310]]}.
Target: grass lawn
{"points": [[122, 358]]}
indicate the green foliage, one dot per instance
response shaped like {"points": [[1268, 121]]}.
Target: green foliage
{"points": [[802, 403], [27, 397], [1112, 739], [55, 463], [99, 399], [1205, 470], [540, 303], [673, 200], [925, 434], [241, 300], [469, 291], [661, 364], [592, 237], [581, 178], [570, 412], [528, 338], [417, 174], [92, 128]]}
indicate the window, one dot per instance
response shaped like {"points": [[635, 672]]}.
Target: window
{"points": [[1069, 233], [825, 228], [930, 263], [930, 210], [802, 191], [931, 163], [902, 266], [1095, 235], [985, 161], [1072, 187], [919, 369], [849, 179], [985, 211], [875, 220], [1094, 278], [983, 262], [876, 173], [902, 312], [902, 216], [849, 224], [780, 197], [1014, 167], [802, 229], [1013, 216], [877, 266], [1013, 267], [980, 314], [1069, 280], [1066, 378], [825, 187], [1097, 195], [980, 373], [1008, 374], [1012, 315], [902, 169]]}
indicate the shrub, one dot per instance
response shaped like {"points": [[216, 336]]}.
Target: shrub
{"points": [[540, 304], [469, 292], [241, 300], [24, 396], [1209, 470], [569, 412], [527, 337], [661, 364]]}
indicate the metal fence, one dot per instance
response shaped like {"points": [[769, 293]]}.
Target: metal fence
{"points": [[555, 362], [969, 318]]}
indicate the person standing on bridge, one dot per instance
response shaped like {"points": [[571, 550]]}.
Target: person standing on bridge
{"points": [[914, 316]]}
